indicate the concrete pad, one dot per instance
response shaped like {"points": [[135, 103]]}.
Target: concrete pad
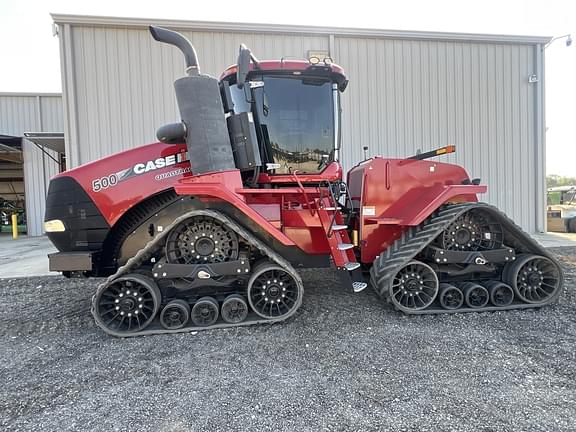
{"points": [[25, 257], [555, 239]]}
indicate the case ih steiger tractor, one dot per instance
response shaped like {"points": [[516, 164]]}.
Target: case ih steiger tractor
{"points": [[207, 228]]}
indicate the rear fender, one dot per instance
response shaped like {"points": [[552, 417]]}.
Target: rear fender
{"points": [[392, 195]]}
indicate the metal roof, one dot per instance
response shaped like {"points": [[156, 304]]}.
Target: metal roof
{"points": [[29, 94], [220, 26], [50, 140]]}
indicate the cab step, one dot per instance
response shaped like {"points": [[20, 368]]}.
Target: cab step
{"points": [[358, 286], [351, 266]]}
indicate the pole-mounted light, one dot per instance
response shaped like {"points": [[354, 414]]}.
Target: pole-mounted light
{"points": [[568, 40]]}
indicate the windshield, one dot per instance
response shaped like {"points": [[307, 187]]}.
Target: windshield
{"points": [[296, 117]]}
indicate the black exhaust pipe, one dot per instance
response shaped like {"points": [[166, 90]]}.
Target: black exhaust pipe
{"points": [[179, 41], [201, 110]]}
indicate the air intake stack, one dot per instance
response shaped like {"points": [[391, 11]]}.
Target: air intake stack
{"points": [[200, 105]]}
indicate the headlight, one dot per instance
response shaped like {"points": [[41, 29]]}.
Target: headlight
{"points": [[55, 225]]}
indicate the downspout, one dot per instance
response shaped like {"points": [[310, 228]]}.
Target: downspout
{"points": [[540, 141]]}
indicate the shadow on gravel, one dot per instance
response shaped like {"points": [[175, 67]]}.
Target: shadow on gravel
{"points": [[345, 362]]}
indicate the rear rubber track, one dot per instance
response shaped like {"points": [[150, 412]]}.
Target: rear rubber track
{"points": [[157, 243], [415, 239]]}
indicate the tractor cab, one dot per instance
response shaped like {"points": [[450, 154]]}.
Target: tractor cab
{"points": [[293, 109]]}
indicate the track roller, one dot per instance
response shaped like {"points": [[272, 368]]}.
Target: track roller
{"points": [[273, 291], [501, 294], [450, 297], [205, 312], [475, 296], [234, 309], [127, 304], [534, 278], [175, 315], [414, 287]]}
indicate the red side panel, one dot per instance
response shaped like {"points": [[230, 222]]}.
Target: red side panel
{"points": [[120, 181], [397, 193]]}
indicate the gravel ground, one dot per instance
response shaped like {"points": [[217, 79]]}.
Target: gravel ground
{"points": [[345, 362]]}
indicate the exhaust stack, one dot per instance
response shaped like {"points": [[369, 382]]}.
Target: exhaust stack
{"points": [[201, 111]]}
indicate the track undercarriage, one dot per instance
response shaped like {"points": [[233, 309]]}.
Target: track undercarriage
{"points": [[203, 271], [466, 258]]}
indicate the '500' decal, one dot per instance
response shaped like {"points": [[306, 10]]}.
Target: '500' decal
{"points": [[140, 168]]}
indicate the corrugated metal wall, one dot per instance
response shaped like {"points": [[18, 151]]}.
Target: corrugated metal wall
{"points": [[124, 80], [33, 113], [409, 95], [403, 95]]}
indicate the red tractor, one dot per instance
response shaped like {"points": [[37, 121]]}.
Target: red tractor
{"points": [[207, 228]]}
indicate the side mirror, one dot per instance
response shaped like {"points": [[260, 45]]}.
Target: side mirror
{"points": [[244, 56]]}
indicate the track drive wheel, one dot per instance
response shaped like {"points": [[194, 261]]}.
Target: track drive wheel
{"points": [[273, 292], [534, 278], [414, 287], [201, 239], [127, 304], [475, 230]]}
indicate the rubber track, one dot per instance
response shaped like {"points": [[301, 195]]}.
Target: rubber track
{"points": [[144, 254], [415, 239]]}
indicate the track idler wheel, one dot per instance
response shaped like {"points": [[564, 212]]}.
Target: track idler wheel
{"points": [[475, 296], [450, 297], [127, 304], [175, 315], [414, 287], [534, 278], [234, 309], [205, 312], [501, 294], [273, 292]]}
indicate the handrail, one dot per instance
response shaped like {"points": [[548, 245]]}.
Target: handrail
{"points": [[303, 191], [335, 204]]}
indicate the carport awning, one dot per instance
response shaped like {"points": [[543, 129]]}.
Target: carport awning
{"points": [[10, 149], [50, 140], [10, 143]]}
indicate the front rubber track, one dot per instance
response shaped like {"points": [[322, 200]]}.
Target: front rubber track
{"points": [[154, 245]]}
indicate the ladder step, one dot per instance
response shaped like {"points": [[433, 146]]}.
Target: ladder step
{"points": [[339, 227], [351, 266], [345, 246], [359, 286]]}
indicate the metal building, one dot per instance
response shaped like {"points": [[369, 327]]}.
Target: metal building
{"points": [[408, 91], [33, 112]]}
